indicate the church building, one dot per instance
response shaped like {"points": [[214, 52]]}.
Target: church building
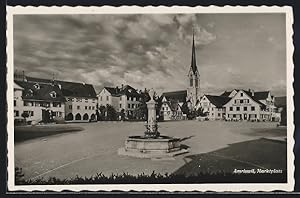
{"points": [[193, 90], [190, 96]]}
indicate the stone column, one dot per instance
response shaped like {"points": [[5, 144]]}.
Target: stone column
{"points": [[151, 125]]}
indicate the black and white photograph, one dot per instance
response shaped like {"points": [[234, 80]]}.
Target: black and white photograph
{"points": [[150, 98]]}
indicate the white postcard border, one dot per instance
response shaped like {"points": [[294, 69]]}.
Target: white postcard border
{"points": [[289, 186]]}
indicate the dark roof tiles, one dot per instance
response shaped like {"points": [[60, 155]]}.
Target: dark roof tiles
{"points": [[218, 101], [180, 96]]}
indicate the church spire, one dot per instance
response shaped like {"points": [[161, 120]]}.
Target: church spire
{"points": [[193, 62]]}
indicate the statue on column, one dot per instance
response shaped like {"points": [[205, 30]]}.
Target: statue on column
{"points": [[151, 126]]}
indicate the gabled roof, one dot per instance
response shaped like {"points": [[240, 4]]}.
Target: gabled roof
{"points": [[126, 90], [249, 93], [226, 93], [173, 104], [69, 89], [42, 92], [180, 96], [218, 101], [261, 95]]}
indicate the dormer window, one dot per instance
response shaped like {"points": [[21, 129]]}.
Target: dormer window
{"points": [[36, 86], [130, 90], [29, 93], [53, 94]]}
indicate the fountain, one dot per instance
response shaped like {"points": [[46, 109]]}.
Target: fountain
{"points": [[152, 144]]}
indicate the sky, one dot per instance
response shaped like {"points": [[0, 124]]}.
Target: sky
{"points": [[154, 51]]}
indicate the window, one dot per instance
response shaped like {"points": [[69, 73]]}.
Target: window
{"points": [[242, 101], [245, 108], [29, 93], [26, 103], [30, 113], [163, 108], [86, 100], [230, 108], [78, 107], [212, 114], [191, 81], [86, 107], [248, 101], [93, 108], [52, 94], [234, 115], [237, 108], [107, 98], [242, 94], [120, 98], [56, 104], [132, 106], [234, 101], [219, 114], [252, 108], [78, 100], [120, 105], [93, 101], [128, 105], [70, 106], [90, 107], [16, 113], [37, 86], [15, 103], [196, 82], [100, 98]]}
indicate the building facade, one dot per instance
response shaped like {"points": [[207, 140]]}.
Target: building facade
{"points": [[70, 101], [213, 106], [250, 105], [124, 98], [37, 102], [171, 110]]}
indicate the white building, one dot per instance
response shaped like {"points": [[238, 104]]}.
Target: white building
{"points": [[125, 97], [213, 107], [250, 105], [71, 101], [171, 110], [39, 101]]}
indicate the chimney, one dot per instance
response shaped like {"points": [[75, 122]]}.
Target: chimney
{"points": [[251, 91], [23, 75]]}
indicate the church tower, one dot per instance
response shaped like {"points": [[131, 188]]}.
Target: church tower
{"points": [[193, 90]]}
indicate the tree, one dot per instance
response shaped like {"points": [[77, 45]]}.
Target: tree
{"points": [[111, 113], [200, 112], [25, 115], [122, 114], [102, 110]]}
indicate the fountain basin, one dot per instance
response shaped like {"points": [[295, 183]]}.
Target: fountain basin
{"points": [[159, 147]]}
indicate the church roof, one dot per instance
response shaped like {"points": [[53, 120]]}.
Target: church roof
{"points": [[180, 96], [193, 62]]}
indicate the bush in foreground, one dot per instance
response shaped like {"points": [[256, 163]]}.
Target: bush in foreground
{"points": [[155, 178]]}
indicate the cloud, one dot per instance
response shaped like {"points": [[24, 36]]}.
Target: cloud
{"points": [[151, 50]]}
